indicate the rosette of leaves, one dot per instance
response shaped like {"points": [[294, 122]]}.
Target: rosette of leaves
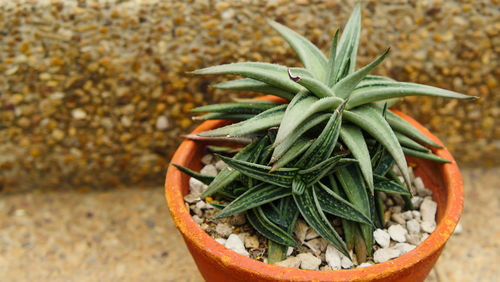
{"points": [[326, 151]]}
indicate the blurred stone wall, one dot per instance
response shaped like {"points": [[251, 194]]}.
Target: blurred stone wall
{"points": [[95, 94]]}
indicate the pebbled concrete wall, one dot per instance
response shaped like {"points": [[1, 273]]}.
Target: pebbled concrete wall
{"points": [[95, 94]]}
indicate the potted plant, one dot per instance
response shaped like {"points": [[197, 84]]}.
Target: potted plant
{"points": [[321, 146]]}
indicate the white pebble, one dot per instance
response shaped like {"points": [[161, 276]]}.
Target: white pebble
{"points": [[427, 226], [223, 229], [332, 257], [234, 243], [289, 251], [458, 229], [292, 262], [209, 169], [78, 113], [398, 218], [428, 210], [424, 236], [202, 205], [416, 215], [407, 215], [413, 239], [365, 264], [404, 247], [413, 226], [221, 241], [207, 159], [385, 254], [316, 245], [311, 234], [382, 238], [192, 198], [196, 187], [397, 233], [309, 261], [197, 219], [416, 201], [300, 230], [220, 165]]}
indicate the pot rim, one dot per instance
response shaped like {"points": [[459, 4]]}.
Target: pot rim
{"points": [[227, 257]]}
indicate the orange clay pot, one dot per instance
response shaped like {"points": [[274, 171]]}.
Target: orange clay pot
{"points": [[217, 263]]}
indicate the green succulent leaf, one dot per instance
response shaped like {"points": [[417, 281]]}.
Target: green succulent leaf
{"points": [[262, 121], [247, 107], [345, 59], [274, 75], [227, 176], [331, 61], [423, 155], [298, 185], [333, 203], [315, 86], [204, 178], [275, 252], [297, 148], [394, 89], [371, 120], [310, 210], [385, 185], [404, 127], [282, 177], [254, 197], [249, 84], [409, 143], [313, 174], [384, 163], [323, 146], [344, 87], [311, 57], [268, 229], [354, 140]]}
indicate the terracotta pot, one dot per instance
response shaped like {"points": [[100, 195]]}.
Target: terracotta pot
{"points": [[217, 263]]}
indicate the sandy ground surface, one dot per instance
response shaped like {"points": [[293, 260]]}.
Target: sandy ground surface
{"points": [[128, 235]]}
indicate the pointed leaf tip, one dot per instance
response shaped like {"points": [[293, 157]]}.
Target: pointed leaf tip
{"points": [[292, 77]]}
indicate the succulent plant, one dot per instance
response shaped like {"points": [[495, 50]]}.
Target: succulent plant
{"points": [[326, 150]]}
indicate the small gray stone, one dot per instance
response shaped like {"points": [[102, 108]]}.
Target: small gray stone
{"points": [[209, 169], [365, 264], [162, 123], [404, 247], [207, 159], [428, 210], [234, 243], [201, 205], [238, 219], [300, 230], [325, 268], [396, 209], [308, 261], [416, 215], [220, 165], [196, 187], [316, 245], [223, 229], [291, 262], [398, 199], [385, 254], [289, 251], [197, 211], [427, 226], [398, 218], [346, 262], [416, 201], [413, 226], [332, 257], [407, 215], [420, 187], [382, 238], [192, 198], [221, 241], [413, 239], [251, 242], [311, 234], [397, 233], [424, 236], [197, 219]]}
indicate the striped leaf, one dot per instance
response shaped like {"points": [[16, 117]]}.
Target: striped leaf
{"points": [[264, 120], [289, 212], [274, 214], [247, 107], [375, 218], [282, 177], [323, 146], [344, 87], [310, 210], [226, 176], [217, 206], [423, 155], [311, 57], [313, 174], [264, 226], [384, 163], [354, 140], [395, 89], [293, 152], [371, 120], [293, 119], [274, 75], [295, 136], [315, 86], [332, 203], [204, 178], [385, 185], [298, 186], [254, 197], [409, 143], [380, 208], [351, 181], [249, 84], [345, 59], [331, 61]]}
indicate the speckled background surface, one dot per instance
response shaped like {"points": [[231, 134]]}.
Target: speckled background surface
{"points": [[94, 94]]}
